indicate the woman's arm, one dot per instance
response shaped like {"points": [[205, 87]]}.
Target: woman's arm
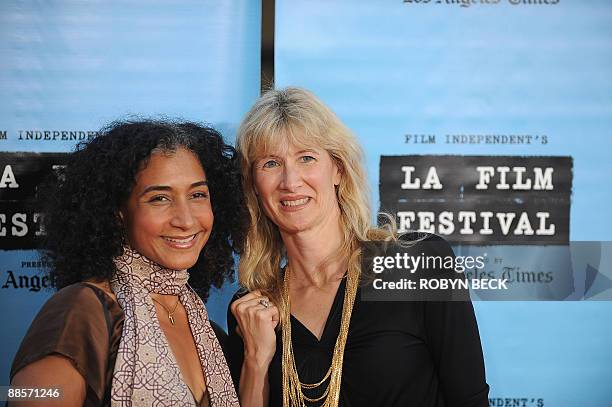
{"points": [[254, 387], [56, 372], [454, 342], [453, 339], [67, 345], [254, 326]]}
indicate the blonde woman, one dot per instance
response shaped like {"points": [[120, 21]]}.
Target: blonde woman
{"points": [[307, 196]]}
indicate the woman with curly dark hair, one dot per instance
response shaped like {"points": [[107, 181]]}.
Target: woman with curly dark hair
{"points": [[129, 220]]}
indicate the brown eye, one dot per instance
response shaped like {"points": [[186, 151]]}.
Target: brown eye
{"points": [[200, 195], [158, 198]]}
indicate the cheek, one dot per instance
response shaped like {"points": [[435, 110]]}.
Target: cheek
{"points": [[264, 187], [149, 223], [323, 183], [205, 216], [267, 203], [144, 227]]}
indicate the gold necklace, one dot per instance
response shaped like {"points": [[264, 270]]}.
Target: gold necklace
{"points": [[170, 314], [293, 396]]}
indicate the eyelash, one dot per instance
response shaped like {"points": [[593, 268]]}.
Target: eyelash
{"points": [[203, 195], [158, 198], [265, 165], [163, 198], [304, 159]]}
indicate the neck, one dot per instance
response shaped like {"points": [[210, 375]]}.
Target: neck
{"points": [[168, 300], [312, 254]]}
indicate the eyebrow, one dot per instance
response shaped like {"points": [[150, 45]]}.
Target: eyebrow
{"points": [[274, 155], [167, 188]]}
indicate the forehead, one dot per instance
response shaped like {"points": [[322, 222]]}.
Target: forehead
{"points": [[169, 166], [285, 141]]}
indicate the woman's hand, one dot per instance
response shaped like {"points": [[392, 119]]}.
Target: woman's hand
{"points": [[256, 318], [256, 324]]}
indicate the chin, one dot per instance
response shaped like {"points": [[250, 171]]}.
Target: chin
{"points": [[294, 228], [178, 263], [177, 259]]}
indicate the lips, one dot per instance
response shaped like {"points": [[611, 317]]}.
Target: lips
{"points": [[295, 202], [181, 242]]}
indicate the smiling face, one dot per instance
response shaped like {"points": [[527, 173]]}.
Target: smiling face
{"points": [[168, 215], [296, 187]]}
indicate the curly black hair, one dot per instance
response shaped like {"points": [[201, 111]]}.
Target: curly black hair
{"points": [[81, 205]]}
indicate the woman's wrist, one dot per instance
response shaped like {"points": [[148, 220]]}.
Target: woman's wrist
{"points": [[256, 363], [254, 387]]}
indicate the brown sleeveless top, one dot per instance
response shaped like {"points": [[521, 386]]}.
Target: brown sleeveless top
{"points": [[82, 323]]}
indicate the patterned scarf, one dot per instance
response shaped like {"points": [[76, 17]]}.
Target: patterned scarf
{"points": [[146, 372]]}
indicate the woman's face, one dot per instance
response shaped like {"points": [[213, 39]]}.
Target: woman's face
{"points": [[168, 214], [296, 187]]}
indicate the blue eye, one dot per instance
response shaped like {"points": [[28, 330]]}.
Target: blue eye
{"points": [[307, 158], [270, 164]]}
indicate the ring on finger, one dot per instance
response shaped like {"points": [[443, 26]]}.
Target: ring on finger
{"points": [[264, 301]]}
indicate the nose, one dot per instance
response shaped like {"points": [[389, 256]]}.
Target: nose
{"points": [[182, 216], [292, 178]]}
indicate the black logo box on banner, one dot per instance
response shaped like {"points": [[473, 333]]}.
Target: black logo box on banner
{"points": [[20, 175], [480, 199]]}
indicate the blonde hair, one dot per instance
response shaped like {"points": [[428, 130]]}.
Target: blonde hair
{"points": [[296, 116]]}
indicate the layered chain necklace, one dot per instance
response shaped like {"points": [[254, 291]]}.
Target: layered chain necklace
{"points": [[293, 395]]}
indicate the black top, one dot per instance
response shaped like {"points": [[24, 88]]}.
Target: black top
{"points": [[397, 354]]}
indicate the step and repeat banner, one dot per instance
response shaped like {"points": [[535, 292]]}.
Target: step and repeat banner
{"points": [[68, 67], [487, 122]]}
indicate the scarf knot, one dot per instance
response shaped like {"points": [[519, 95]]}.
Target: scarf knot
{"points": [[150, 275]]}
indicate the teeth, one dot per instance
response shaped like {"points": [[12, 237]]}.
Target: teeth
{"points": [[295, 202], [186, 240]]}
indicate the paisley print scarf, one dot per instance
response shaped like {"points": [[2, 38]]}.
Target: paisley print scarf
{"points": [[146, 372]]}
